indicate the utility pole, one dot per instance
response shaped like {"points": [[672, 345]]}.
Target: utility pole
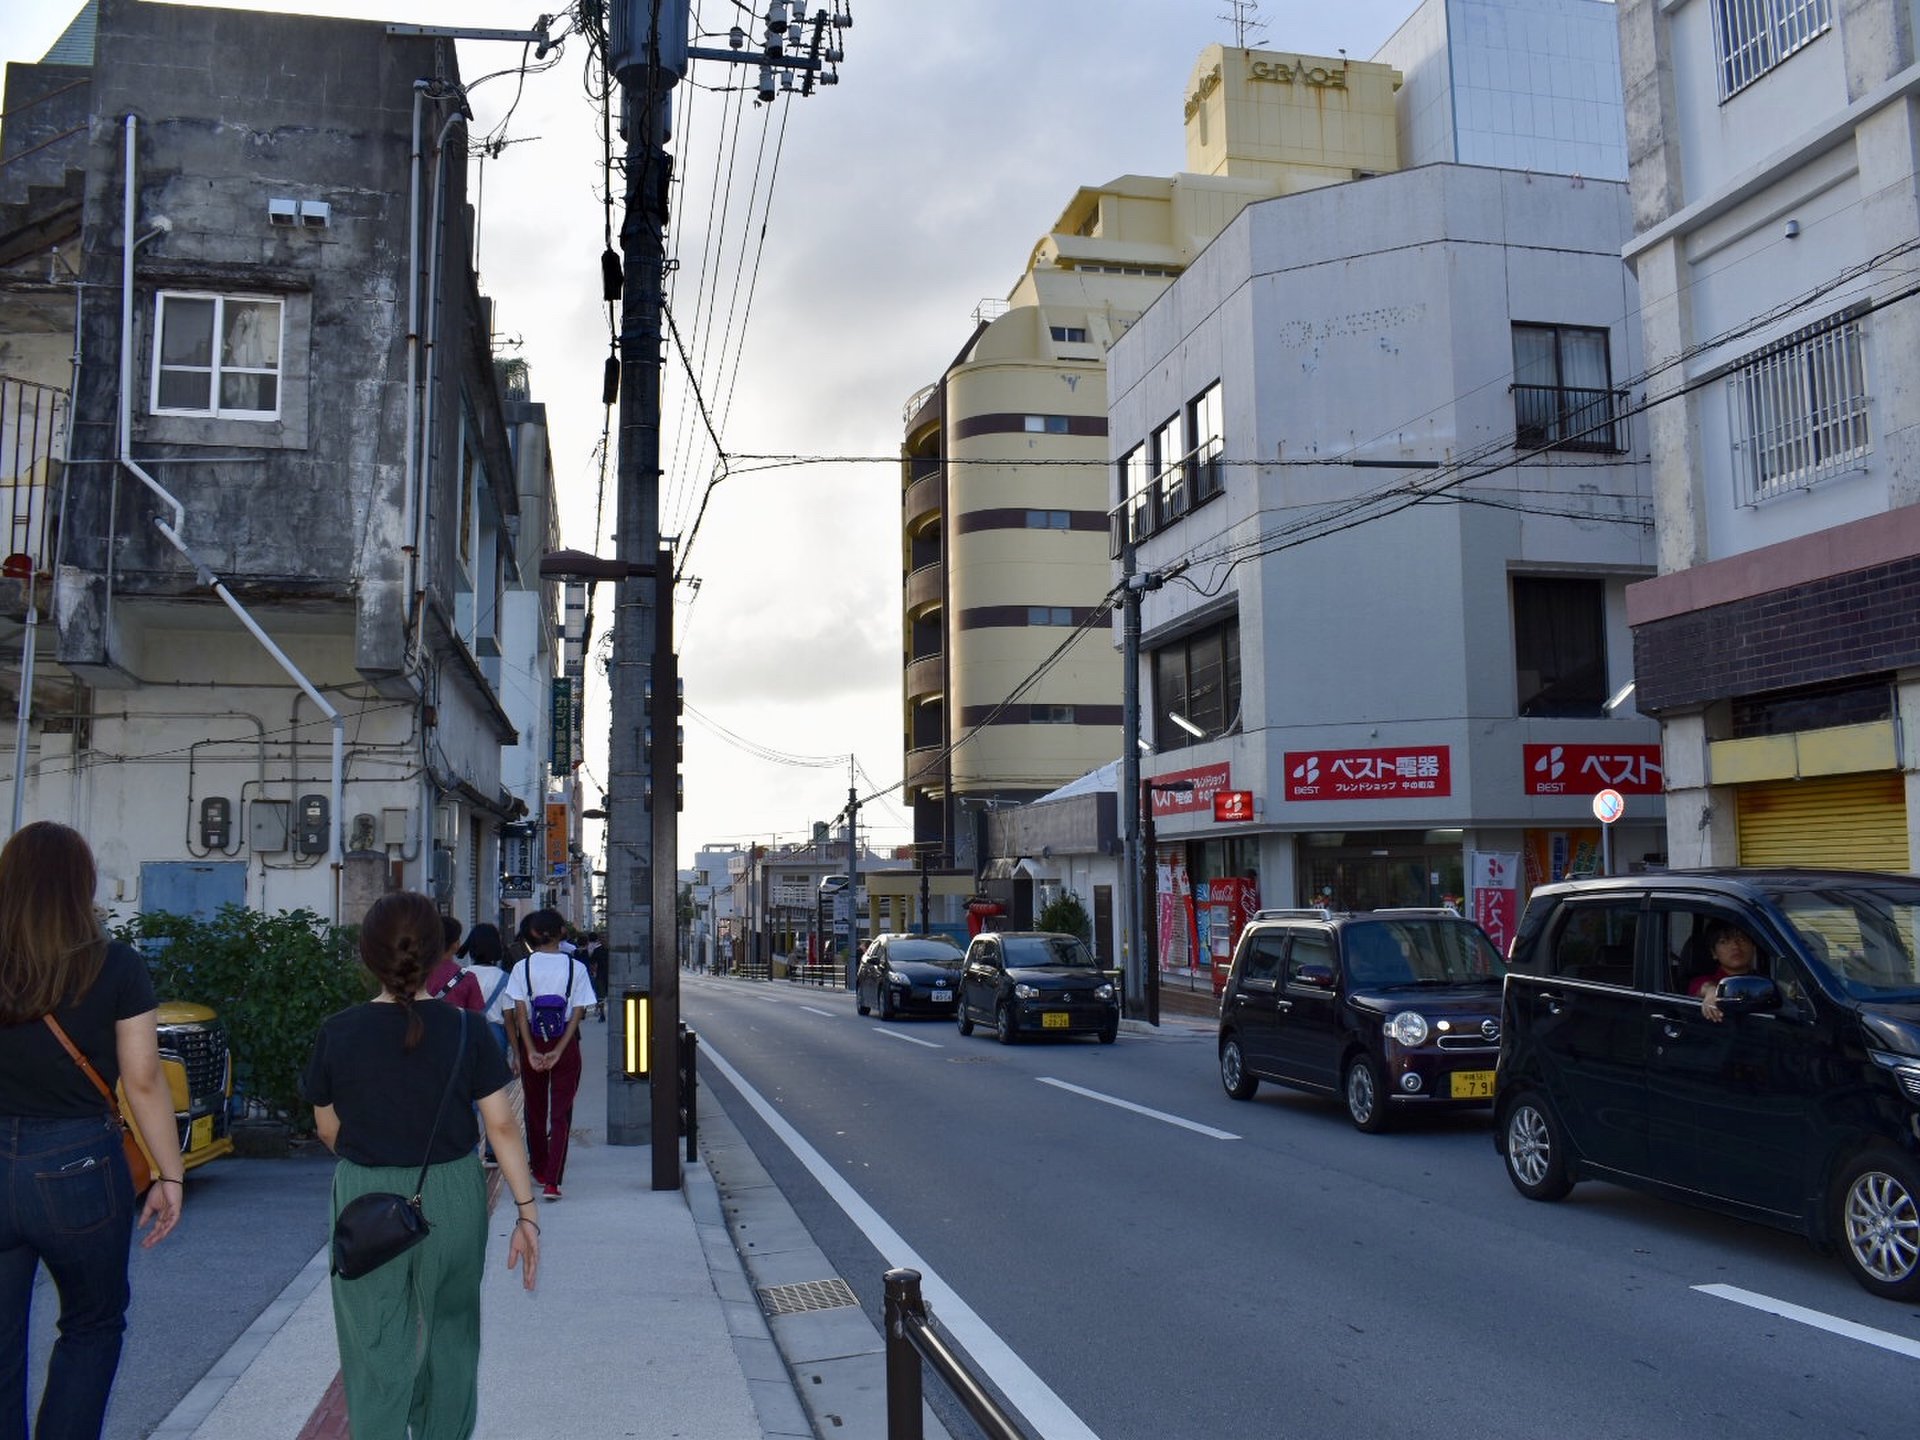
{"points": [[648, 55], [853, 880], [1142, 977]]}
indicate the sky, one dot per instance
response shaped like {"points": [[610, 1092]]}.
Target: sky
{"points": [[831, 251]]}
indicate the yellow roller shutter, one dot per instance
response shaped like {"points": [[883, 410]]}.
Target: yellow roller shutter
{"points": [[1849, 822]]}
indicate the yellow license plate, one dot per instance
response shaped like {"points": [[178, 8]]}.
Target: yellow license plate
{"points": [[200, 1134], [1472, 1084], [1053, 1020]]}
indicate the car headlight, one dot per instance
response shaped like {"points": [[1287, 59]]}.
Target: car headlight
{"points": [[899, 982], [1409, 1027], [1025, 992], [1105, 992]]}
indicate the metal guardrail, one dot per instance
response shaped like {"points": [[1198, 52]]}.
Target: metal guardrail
{"points": [[911, 1338], [815, 972]]}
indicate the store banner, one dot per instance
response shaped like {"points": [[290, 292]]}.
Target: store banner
{"points": [[1589, 769], [1496, 894], [1402, 773], [1207, 782]]}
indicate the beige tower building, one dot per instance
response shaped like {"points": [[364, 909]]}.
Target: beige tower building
{"points": [[1005, 525]]}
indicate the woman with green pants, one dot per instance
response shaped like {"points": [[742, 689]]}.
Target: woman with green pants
{"points": [[409, 1331]]}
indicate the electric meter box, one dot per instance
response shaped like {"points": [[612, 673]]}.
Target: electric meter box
{"points": [[268, 825], [311, 834]]}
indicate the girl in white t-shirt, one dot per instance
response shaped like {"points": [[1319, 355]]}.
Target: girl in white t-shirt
{"points": [[548, 1040]]}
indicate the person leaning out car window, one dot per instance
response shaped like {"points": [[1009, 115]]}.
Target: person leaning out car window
{"points": [[1734, 953]]}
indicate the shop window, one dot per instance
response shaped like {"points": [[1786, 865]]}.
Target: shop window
{"points": [[1560, 645]]}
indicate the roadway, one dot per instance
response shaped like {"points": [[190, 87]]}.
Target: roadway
{"points": [[1128, 1252]]}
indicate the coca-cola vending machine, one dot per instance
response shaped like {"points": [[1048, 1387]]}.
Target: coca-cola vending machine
{"points": [[1231, 902]]}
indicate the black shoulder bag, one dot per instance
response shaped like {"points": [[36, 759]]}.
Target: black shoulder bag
{"points": [[376, 1227]]}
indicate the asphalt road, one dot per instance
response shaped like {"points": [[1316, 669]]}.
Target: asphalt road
{"points": [[1299, 1278], [246, 1230]]}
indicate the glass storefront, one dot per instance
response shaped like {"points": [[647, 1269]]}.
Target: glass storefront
{"points": [[1381, 869]]}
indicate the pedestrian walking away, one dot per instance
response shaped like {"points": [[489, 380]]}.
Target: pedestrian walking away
{"points": [[67, 1196], [597, 973], [449, 980], [378, 1081], [550, 992]]}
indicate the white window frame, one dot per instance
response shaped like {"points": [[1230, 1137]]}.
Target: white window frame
{"points": [[1754, 36], [1797, 411], [213, 410]]}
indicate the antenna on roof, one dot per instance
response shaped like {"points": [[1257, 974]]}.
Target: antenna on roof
{"points": [[1243, 21]]}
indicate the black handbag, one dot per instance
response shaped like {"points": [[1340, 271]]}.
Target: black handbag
{"points": [[374, 1228]]}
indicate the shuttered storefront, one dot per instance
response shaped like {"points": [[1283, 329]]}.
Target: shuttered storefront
{"points": [[1850, 822]]}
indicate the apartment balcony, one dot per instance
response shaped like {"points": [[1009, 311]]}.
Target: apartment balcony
{"points": [[926, 677], [925, 587], [33, 431], [925, 494], [926, 768], [1558, 417]]}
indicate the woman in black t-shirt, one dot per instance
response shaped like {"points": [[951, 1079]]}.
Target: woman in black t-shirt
{"points": [[66, 1200], [409, 1331]]}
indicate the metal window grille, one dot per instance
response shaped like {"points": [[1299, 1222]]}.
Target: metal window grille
{"points": [[1756, 35], [1799, 411]]}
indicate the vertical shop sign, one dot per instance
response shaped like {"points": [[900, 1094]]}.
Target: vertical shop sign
{"points": [[556, 837], [562, 726], [1496, 895]]}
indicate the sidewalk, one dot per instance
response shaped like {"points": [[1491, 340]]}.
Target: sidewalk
{"points": [[644, 1323]]}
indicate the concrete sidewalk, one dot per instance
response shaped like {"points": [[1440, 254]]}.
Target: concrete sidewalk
{"points": [[644, 1323]]}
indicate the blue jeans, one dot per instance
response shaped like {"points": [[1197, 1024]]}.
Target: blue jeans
{"points": [[66, 1202]]}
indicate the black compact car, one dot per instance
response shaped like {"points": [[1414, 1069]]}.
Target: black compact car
{"points": [[1393, 1010], [1034, 982], [908, 975], [1798, 1107]]}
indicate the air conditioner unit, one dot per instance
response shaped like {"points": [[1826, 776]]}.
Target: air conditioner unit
{"points": [[316, 214], [283, 212]]}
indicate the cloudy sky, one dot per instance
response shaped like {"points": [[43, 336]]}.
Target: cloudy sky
{"points": [[831, 252]]}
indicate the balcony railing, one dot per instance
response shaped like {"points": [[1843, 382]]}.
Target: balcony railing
{"points": [[33, 439], [1559, 417]]}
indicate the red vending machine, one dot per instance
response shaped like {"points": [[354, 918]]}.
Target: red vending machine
{"points": [[1231, 901]]}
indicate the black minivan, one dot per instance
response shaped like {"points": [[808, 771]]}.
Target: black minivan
{"points": [[1799, 1107]]}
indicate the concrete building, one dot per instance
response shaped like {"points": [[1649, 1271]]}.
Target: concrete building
{"points": [[1004, 524], [1775, 214], [268, 565], [1394, 611]]}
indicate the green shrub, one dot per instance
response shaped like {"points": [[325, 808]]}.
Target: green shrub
{"points": [[271, 978], [1067, 916]]}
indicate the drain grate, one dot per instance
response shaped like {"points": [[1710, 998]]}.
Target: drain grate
{"points": [[807, 1295]]}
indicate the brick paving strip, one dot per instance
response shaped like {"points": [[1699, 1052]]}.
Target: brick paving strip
{"points": [[329, 1418]]}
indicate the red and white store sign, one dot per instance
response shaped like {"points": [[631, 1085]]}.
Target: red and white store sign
{"points": [[1232, 807], [1404, 772], [1589, 769], [1208, 781]]}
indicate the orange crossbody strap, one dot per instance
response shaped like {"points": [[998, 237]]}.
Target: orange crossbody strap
{"points": [[86, 1065]]}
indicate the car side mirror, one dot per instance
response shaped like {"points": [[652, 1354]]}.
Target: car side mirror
{"points": [[1318, 977], [1744, 994]]}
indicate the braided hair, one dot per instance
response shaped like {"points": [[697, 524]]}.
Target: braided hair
{"points": [[400, 941]]}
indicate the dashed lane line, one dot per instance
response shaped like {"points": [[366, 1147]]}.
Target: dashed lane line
{"points": [[1818, 1319], [1161, 1115]]}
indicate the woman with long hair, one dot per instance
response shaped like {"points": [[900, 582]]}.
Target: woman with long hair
{"points": [[66, 1198], [550, 992], [378, 1080]]}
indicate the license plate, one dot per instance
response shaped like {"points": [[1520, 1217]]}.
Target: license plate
{"points": [[941, 997], [1053, 1020], [200, 1134], [1472, 1085]]}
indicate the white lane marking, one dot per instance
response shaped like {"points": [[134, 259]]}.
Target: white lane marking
{"points": [[1193, 1125], [910, 1039], [1047, 1412], [812, 1011], [1818, 1319]]}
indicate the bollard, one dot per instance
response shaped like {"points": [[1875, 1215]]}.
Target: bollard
{"points": [[903, 1307], [689, 1090]]}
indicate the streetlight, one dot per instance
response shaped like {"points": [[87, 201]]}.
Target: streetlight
{"points": [[642, 956]]}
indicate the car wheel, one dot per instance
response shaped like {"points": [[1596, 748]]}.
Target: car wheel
{"points": [[1877, 1222], [1110, 1031], [1239, 1081], [1536, 1151], [884, 995], [961, 1018], [1366, 1090], [1003, 1025], [860, 1001]]}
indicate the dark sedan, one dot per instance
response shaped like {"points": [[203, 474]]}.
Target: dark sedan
{"points": [[908, 975], [1037, 983]]}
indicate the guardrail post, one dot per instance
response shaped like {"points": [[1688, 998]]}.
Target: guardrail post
{"points": [[903, 1307]]}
